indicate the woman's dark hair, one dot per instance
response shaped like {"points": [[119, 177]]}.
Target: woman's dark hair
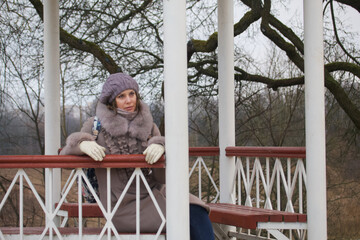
{"points": [[113, 106]]}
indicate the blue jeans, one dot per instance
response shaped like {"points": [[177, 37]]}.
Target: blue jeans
{"points": [[200, 225]]}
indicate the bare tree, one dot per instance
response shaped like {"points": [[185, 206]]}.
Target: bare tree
{"points": [[21, 73], [127, 36], [102, 37], [291, 44]]}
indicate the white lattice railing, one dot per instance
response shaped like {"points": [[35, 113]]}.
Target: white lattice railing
{"points": [[51, 228], [267, 177], [270, 177], [205, 167]]}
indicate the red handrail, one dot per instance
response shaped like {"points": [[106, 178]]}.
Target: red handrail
{"points": [[71, 161], [291, 152], [204, 151], [138, 160]]}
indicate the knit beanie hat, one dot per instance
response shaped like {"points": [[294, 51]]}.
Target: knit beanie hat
{"points": [[114, 85]]}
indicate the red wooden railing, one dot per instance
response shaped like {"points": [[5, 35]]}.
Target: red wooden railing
{"points": [[70, 161], [281, 152]]}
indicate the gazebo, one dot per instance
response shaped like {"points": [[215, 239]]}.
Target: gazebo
{"points": [[176, 128]]}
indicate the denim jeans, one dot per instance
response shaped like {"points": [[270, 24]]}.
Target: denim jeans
{"points": [[200, 225]]}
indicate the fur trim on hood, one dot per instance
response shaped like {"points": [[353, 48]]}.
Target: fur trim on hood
{"points": [[116, 125]]}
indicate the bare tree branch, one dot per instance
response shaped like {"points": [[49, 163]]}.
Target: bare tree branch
{"points": [[107, 61]]}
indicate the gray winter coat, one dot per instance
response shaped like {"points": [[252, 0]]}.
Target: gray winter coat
{"points": [[127, 133]]}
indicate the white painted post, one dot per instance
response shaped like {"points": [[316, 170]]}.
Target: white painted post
{"points": [[315, 120], [226, 96], [52, 94], [176, 121]]}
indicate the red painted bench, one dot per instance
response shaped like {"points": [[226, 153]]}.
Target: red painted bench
{"points": [[89, 210], [249, 217], [221, 213]]}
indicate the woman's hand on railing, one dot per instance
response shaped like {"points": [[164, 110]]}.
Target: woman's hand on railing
{"points": [[153, 153], [93, 150]]}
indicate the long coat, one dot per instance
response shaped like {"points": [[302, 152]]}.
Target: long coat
{"points": [[127, 133]]}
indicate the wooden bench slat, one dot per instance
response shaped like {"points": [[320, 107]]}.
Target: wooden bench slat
{"points": [[248, 217], [244, 220], [223, 213], [286, 216], [302, 218], [89, 210]]}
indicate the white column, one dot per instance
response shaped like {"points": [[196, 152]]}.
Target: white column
{"points": [[52, 94], [226, 96], [315, 120], [176, 121]]}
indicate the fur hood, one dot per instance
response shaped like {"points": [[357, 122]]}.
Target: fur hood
{"points": [[116, 125]]}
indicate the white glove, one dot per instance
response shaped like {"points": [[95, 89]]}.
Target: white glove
{"points": [[153, 153], [93, 150]]}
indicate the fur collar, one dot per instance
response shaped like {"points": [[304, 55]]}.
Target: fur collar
{"points": [[116, 125]]}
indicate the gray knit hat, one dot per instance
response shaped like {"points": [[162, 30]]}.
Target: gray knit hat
{"points": [[115, 84]]}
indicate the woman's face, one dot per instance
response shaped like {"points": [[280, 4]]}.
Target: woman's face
{"points": [[126, 100]]}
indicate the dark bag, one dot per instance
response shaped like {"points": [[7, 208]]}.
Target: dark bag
{"points": [[90, 172]]}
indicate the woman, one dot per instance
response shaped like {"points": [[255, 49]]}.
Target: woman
{"points": [[127, 127]]}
